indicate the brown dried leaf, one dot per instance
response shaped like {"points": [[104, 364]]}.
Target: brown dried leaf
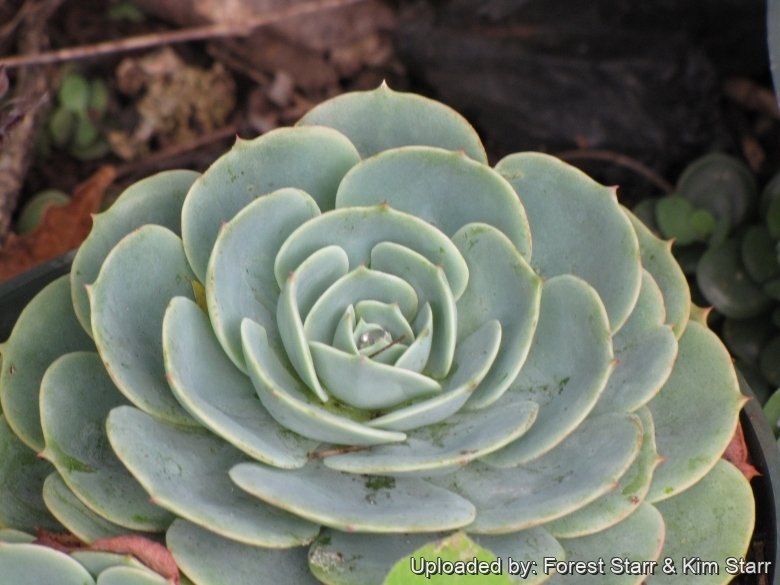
{"points": [[62, 541], [152, 554], [62, 229], [738, 455]]}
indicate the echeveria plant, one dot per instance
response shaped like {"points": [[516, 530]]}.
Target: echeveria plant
{"points": [[353, 339]]}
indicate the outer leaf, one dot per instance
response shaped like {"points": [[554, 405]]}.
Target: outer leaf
{"points": [[74, 515], [658, 260], [645, 350], [382, 119], [21, 479], [311, 159], [186, 471], [46, 329], [156, 200], [635, 540], [138, 279], [355, 502], [208, 559], [592, 460], [29, 564], [713, 520], [76, 397], [623, 499], [560, 200], [130, 576], [703, 381]]}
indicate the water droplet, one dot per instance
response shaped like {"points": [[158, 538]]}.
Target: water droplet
{"points": [[372, 337]]}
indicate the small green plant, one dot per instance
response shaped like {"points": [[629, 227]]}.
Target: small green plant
{"points": [[74, 122], [352, 346], [34, 210], [735, 261]]}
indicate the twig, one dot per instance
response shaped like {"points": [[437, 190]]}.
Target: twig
{"points": [[620, 160], [198, 33], [30, 100], [154, 159]]}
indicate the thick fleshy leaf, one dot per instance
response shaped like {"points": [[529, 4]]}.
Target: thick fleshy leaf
{"points": [[74, 515], [11, 536], [21, 479], [623, 499], [458, 440], [445, 188], [98, 561], [630, 543], [240, 281], [432, 288], [154, 200], [502, 286], [523, 548], [561, 201], [387, 315], [208, 558], [76, 397], [360, 284], [423, 566], [46, 329], [381, 119], [567, 368], [30, 564], [418, 352], [186, 471], [358, 230], [196, 365], [724, 282], [645, 349], [592, 460], [658, 260], [140, 276], [291, 405], [341, 558], [300, 292], [130, 576], [702, 381], [355, 503], [712, 521], [311, 159], [473, 358], [359, 381]]}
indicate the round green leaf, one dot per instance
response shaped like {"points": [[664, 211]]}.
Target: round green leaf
{"points": [[30, 564], [562, 202], [311, 159], [208, 558], [355, 503], [46, 329], [381, 119]]}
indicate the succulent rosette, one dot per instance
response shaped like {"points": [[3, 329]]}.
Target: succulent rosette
{"points": [[353, 338]]}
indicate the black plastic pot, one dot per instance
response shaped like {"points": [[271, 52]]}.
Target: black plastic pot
{"points": [[764, 452]]}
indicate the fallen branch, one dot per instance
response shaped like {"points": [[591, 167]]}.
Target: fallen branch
{"points": [[620, 160], [199, 33]]}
